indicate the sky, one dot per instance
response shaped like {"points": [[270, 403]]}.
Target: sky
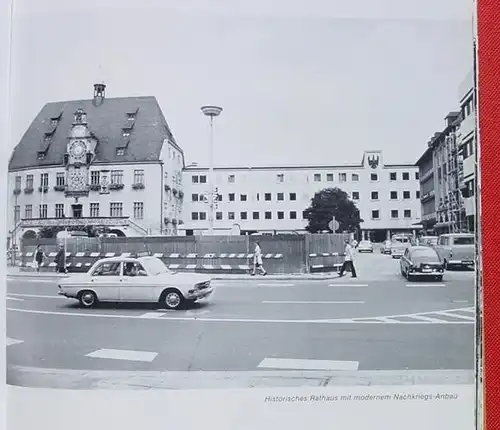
{"points": [[300, 82]]}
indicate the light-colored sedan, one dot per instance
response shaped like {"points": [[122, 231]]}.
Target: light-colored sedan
{"points": [[386, 247], [143, 279], [365, 246]]}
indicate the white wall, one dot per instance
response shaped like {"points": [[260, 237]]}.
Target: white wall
{"points": [[302, 182]]}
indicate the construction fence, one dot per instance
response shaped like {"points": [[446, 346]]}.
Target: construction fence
{"points": [[282, 254]]}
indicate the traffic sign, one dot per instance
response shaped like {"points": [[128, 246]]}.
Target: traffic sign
{"points": [[333, 225]]}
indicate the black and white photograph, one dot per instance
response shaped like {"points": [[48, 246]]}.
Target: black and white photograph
{"points": [[221, 199]]}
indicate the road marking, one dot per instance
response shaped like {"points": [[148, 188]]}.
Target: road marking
{"points": [[153, 315], [454, 315], [349, 285], [424, 318], [122, 354], [196, 313], [14, 299], [10, 341], [36, 296], [364, 320], [425, 285], [317, 302], [296, 364], [275, 285]]}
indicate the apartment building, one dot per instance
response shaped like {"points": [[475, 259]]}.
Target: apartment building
{"points": [[466, 141], [274, 198], [447, 170], [104, 163], [427, 188]]}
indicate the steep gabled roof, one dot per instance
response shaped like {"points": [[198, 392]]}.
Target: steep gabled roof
{"points": [[105, 121]]}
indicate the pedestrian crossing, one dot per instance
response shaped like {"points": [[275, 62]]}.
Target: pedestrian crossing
{"points": [[452, 316]]}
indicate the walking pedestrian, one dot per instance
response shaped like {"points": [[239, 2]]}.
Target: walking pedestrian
{"points": [[38, 257], [348, 261], [257, 260], [60, 260]]}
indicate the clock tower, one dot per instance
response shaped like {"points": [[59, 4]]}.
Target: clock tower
{"points": [[79, 156]]}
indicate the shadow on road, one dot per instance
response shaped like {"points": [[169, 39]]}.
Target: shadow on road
{"points": [[135, 306]]}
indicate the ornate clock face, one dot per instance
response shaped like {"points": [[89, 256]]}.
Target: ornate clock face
{"points": [[77, 149], [76, 181]]}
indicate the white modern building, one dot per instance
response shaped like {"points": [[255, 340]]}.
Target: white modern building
{"points": [[273, 198], [105, 163], [466, 140]]}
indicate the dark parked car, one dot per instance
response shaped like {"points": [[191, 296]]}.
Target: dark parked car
{"points": [[421, 261]]}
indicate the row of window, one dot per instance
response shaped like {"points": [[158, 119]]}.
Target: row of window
{"points": [[268, 215], [116, 177], [115, 210], [318, 177], [394, 195]]}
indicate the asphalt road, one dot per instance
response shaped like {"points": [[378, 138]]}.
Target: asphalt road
{"points": [[378, 322]]}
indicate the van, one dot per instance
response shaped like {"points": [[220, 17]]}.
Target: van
{"points": [[456, 250]]}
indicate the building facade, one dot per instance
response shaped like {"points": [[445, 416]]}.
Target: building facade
{"points": [[273, 199], [466, 140], [427, 189], [447, 170], [441, 199], [110, 165]]}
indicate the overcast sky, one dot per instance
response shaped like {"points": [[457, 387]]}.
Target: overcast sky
{"points": [[313, 82]]}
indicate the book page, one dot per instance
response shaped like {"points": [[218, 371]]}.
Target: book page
{"points": [[242, 215]]}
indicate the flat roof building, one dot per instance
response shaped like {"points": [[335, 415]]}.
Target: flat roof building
{"points": [[273, 198]]}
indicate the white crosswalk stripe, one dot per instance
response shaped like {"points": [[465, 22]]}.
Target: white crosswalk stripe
{"points": [[11, 342], [122, 354]]}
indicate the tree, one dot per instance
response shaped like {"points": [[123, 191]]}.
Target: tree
{"points": [[329, 203]]}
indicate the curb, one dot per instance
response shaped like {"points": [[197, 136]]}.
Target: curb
{"points": [[178, 380]]}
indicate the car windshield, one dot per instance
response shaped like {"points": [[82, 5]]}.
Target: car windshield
{"points": [[154, 266], [400, 239], [365, 242], [426, 255], [463, 241]]}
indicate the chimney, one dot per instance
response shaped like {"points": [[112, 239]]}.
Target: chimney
{"points": [[99, 94]]}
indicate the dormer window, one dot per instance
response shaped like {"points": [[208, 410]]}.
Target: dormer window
{"points": [[54, 122], [47, 137], [126, 133], [120, 151], [41, 155], [131, 116]]}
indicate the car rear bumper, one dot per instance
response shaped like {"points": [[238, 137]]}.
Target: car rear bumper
{"points": [[433, 273], [461, 263]]}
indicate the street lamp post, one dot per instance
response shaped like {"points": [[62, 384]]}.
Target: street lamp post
{"points": [[212, 112]]}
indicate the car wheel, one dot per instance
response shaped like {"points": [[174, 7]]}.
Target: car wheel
{"points": [[87, 299], [172, 299], [439, 278]]}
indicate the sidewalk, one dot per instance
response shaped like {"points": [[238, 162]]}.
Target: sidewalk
{"points": [[16, 272]]}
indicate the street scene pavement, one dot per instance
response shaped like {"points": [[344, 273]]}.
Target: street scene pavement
{"points": [[254, 331]]}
